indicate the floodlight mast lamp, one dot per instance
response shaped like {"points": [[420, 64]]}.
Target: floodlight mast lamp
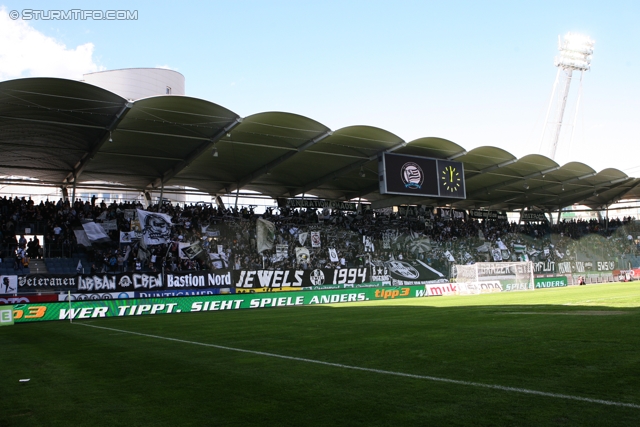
{"points": [[576, 51]]}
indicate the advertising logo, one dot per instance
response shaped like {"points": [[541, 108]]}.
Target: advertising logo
{"points": [[412, 175]]}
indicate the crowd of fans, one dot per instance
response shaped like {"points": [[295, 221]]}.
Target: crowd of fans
{"points": [[229, 240]]}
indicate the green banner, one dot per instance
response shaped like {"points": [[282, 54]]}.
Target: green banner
{"points": [[550, 282], [92, 309], [343, 286], [6, 315]]}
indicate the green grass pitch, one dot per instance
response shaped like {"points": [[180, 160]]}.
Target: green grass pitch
{"points": [[578, 346]]}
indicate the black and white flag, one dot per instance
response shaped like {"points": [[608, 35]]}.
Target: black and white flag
{"points": [[156, 227]]}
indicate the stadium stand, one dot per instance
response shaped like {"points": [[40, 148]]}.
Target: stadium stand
{"points": [[359, 238]]}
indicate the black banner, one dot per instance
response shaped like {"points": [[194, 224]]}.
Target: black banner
{"points": [[482, 214], [199, 279], [52, 282], [298, 278], [401, 273], [317, 204], [121, 282], [533, 216]]}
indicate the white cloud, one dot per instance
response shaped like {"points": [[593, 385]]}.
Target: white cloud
{"points": [[26, 52]]}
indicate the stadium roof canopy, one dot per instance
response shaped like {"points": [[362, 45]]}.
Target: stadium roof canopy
{"points": [[60, 132]]}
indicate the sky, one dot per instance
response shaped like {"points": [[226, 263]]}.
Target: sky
{"points": [[474, 72]]}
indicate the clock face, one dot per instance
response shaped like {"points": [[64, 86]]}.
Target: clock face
{"points": [[451, 179]]}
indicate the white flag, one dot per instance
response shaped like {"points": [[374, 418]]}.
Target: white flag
{"points": [[156, 227], [449, 256], [125, 236], [81, 238], [281, 252], [333, 255], [302, 237], [95, 232], [266, 235]]}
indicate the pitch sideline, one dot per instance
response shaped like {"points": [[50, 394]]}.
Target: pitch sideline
{"points": [[380, 371]]}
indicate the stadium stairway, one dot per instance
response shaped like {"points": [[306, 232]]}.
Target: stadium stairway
{"points": [[37, 266]]}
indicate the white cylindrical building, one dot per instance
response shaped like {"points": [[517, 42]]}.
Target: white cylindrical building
{"points": [[137, 83]]}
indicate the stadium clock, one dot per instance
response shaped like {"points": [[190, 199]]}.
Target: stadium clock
{"points": [[451, 179]]}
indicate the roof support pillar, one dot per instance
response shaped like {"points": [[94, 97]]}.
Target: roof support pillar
{"points": [[161, 196], [73, 198]]}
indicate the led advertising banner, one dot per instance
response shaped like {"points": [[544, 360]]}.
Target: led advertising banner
{"points": [[550, 282], [6, 315], [77, 310], [421, 176]]}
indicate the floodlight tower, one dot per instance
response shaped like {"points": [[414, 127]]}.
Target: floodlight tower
{"points": [[575, 53]]}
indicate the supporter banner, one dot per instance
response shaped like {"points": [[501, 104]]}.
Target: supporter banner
{"points": [[23, 299], [33, 283], [568, 267], [8, 284], [446, 213], [184, 292], [77, 310], [111, 225], [533, 216], [399, 273], [414, 211], [199, 279], [317, 204], [120, 282], [315, 239], [298, 278], [550, 282], [482, 214], [489, 269], [6, 315]]}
